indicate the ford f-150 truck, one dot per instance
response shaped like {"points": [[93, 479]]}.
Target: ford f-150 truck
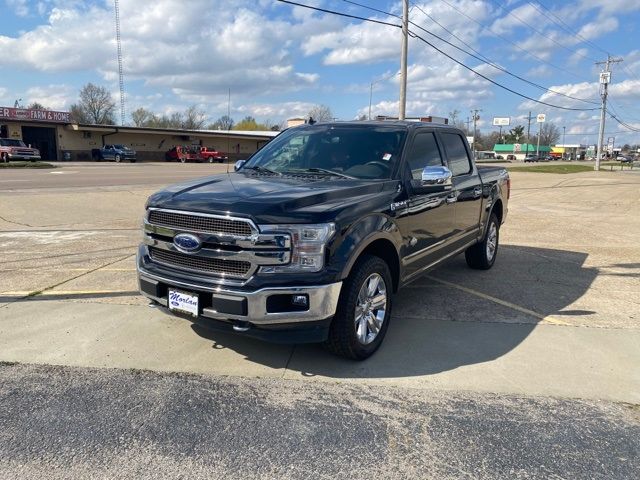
{"points": [[13, 149], [117, 153], [308, 240]]}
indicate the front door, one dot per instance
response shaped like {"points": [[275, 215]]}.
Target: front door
{"points": [[427, 219]]}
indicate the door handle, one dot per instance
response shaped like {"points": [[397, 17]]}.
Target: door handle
{"points": [[452, 198], [477, 192]]}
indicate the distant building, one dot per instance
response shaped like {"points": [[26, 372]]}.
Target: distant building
{"points": [[520, 150], [573, 151], [294, 122]]}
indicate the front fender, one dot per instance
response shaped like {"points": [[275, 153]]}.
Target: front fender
{"points": [[351, 243]]}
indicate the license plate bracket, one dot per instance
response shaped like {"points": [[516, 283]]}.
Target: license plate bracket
{"points": [[183, 302]]}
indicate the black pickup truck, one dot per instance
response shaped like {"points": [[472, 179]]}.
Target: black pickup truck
{"points": [[308, 240]]}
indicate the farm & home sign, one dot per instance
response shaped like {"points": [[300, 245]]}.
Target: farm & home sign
{"points": [[7, 113]]}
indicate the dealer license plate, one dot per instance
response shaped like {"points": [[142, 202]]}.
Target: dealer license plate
{"points": [[183, 302]]}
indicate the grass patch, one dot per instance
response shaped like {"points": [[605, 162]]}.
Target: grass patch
{"points": [[26, 165], [553, 169]]}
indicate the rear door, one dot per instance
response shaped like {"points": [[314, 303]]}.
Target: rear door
{"points": [[467, 187], [427, 221]]}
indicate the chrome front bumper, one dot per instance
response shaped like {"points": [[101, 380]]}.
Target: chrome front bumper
{"points": [[323, 300]]}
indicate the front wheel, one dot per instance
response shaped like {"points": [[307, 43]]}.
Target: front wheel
{"points": [[364, 310], [482, 256], [5, 158], [117, 158]]}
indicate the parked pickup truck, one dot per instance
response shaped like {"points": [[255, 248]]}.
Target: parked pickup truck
{"points": [[194, 153], [14, 149], [117, 153], [308, 240]]}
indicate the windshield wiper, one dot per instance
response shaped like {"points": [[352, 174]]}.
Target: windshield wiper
{"points": [[259, 168], [328, 172]]}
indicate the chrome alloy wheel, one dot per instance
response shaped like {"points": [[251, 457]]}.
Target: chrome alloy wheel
{"points": [[371, 308], [492, 241]]}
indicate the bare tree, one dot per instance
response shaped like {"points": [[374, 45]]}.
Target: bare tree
{"points": [[223, 123], [320, 113], [141, 117], [95, 106], [194, 118], [549, 133]]}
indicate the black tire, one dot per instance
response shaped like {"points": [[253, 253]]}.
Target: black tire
{"points": [[5, 158], [343, 339], [133, 160], [183, 159], [117, 158], [479, 256], [219, 160]]}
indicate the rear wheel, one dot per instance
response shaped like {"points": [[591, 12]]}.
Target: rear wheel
{"points": [[364, 309], [4, 157], [183, 159], [117, 158], [482, 256]]}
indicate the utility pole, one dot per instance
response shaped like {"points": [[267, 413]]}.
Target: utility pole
{"points": [[403, 59], [605, 79], [116, 8], [529, 117], [564, 143], [475, 117], [539, 132]]}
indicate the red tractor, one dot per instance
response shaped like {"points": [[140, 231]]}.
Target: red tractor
{"points": [[194, 153]]}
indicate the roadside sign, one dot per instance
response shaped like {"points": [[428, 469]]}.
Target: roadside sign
{"points": [[605, 77], [501, 121], [517, 147], [541, 117]]}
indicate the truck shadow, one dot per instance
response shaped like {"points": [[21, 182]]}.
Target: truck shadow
{"points": [[453, 317]]}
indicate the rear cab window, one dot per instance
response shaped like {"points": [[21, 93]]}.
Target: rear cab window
{"points": [[458, 157], [424, 152]]}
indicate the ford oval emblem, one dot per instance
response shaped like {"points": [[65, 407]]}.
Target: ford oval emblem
{"points": [[187, 242]]}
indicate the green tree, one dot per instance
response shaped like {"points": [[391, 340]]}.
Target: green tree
{"points": [[141, 117], [37, 106], [515, 135]]}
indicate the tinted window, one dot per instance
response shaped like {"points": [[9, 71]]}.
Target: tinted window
{"points": [[424, 152], [457, 156], [354, 151]]}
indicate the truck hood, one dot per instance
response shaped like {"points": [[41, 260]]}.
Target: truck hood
{"points": [[270, 199]]}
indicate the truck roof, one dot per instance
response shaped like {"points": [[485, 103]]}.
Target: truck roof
{"points": [[379, 123]]}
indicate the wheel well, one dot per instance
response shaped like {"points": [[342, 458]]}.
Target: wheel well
{"points": [[386, 251], [497, 209]]}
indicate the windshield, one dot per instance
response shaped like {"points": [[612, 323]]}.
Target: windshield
{"points": [[121, 147], [10, 142], [333, 150]]}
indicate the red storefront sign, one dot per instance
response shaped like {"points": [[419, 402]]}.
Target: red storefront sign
{"points": [[7, 113]]}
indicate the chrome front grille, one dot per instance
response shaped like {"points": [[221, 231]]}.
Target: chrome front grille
{"points": [[216, 266], [200, 223]]}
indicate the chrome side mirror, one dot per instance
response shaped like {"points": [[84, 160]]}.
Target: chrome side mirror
{"points": [[436, 176], [239, 165]]}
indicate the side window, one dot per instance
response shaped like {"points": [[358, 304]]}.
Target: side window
{"points": [[424, 152], [458, 159]]}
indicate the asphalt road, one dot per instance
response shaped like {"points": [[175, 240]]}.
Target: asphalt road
{"points": [[528, 370], [98, 174], [58, 422]]}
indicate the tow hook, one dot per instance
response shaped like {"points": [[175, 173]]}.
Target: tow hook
{"points": [[241, 326]]}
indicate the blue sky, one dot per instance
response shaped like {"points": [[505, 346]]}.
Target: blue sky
{"points": [[280, 60]]}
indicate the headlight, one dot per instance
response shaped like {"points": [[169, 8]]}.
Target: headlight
{"points": [[307, 243]]}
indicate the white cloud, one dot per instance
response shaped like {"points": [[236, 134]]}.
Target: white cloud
{"points": [[598, 28], [19, 7], [55, 97], [276, 110]]}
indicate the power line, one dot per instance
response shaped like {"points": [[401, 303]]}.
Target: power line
{"points": [[492, 63], [522, 49], [415, 35], [341, 14], [479, 55], [567, 28], [542, 34]]}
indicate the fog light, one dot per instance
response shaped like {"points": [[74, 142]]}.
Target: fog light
{"points": [[300, 300]]}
